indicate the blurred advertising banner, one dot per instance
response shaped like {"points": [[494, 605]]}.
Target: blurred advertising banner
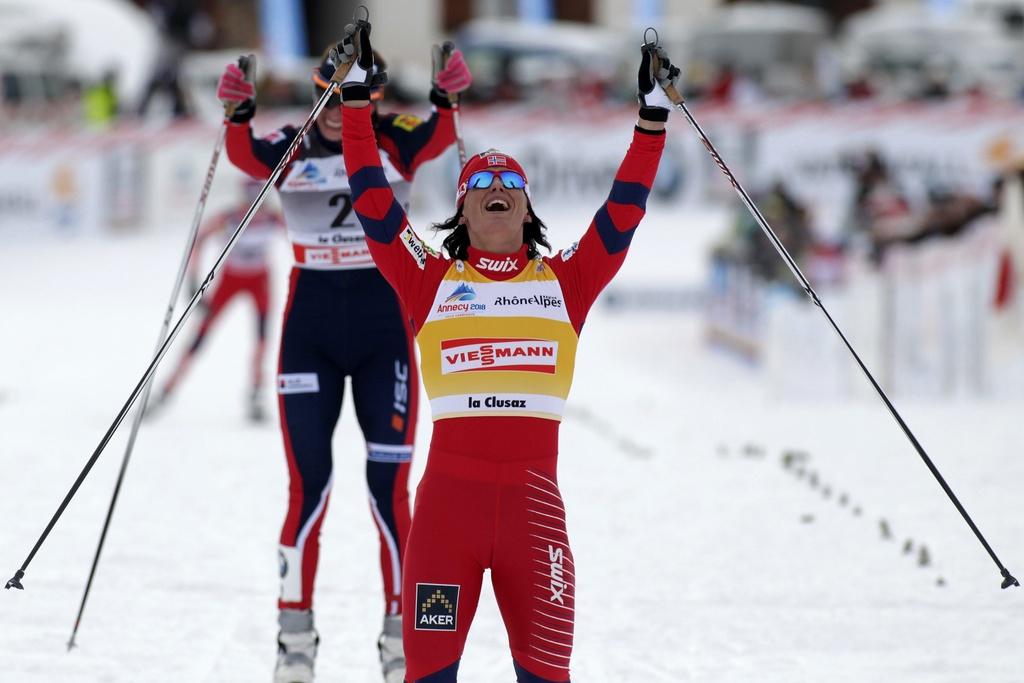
{"points": [[815, 149], [40, 193], [71, 183], [130, 176], [124, 179]]}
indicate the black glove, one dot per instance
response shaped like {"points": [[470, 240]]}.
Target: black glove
{"points": [[651, 81], [355, 54]]}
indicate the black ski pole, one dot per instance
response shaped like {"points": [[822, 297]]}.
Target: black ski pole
{"points": [[247, 64], [339, 74], [677, 100]]}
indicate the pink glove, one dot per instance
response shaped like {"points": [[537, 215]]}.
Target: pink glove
{"points": [[455, 76], [233, 87]]}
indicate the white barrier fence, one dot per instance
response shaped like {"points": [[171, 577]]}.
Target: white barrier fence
{"points": [[923, 322], [84, 183]]}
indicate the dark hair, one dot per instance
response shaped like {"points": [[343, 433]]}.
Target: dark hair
{"points": [[456, 244]]}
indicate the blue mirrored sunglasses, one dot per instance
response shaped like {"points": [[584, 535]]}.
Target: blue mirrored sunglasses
{"points": [[481, 180]]}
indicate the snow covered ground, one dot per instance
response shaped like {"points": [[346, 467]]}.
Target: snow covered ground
{"points": [[700, 556]]}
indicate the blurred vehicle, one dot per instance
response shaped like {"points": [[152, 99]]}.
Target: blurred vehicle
{"points": [[775, 48], [524, 61], [30, 85], [48, 48], [910, 51]]}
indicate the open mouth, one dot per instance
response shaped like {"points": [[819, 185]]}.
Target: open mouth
{"points": [[496, 205]]}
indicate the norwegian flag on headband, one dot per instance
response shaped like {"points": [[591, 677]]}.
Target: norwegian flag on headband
{"points": [[490, 158]]}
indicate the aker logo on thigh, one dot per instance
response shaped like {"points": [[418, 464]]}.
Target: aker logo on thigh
{"points": [[437, 606]]}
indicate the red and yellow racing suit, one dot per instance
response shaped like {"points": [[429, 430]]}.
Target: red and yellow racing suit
{"points": [[497, 335]]}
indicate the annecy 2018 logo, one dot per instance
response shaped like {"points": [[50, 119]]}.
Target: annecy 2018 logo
{"points": [[437, 606], [459, 301], [464, 292]]}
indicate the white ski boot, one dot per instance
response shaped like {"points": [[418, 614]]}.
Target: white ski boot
{"points": [[296, 646], [392, 656], [254, 410]]}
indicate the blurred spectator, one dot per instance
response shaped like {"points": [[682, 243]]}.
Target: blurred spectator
{"points": [[858, 86], [936, 82], [883, 214], [1010, 194], [182, 26], [695, 79], [949, 214], [99, 101], [748, 245], [880, 211], [746, 89], [720, 90]]}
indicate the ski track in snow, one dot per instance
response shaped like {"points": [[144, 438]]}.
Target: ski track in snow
{"points": [[697, 559]]}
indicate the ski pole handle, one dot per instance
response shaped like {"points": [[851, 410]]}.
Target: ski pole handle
{"points": [[247, 63], [670, 89], [446, 53], [341, 70]]}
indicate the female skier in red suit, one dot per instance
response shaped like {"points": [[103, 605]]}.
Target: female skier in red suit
{"points": [[497, 325]]}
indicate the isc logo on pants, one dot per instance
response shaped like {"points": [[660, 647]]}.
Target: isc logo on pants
{"points": [[437, 606]]}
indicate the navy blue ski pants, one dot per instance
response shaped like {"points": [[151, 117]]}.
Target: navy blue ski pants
{"points": [[338, 324]]}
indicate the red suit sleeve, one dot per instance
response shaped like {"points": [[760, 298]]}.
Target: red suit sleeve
{"points": [[400, 255], [587, 266], [257, 157]]}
